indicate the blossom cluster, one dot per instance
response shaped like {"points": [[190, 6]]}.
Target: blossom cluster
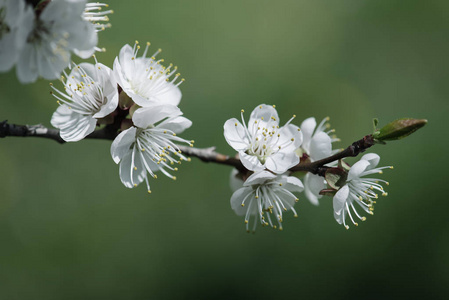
{"points": [[136, 103], [149, 95], [41, 40], [268, 151]]}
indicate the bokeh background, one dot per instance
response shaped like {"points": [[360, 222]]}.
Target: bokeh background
{"points": [[70, 230]]}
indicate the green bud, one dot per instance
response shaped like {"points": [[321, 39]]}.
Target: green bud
{"points": [[336, 177], [398, 129]]}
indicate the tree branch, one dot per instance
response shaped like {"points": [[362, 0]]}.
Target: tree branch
{"points": [[109, 132]]}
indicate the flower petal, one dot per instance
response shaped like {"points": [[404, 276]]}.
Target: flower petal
{"points": [[235, 181], [122, 143], [357, 169], [129, 176], [259, 178], [373, 160], [235, 135], [237, 199], [250, 162], [294, 184], [72, 126], [264, 112], [281, 162], [307, 128], [320, 146], [143, 117], [313, 184], [176, 124], [340, 199]]}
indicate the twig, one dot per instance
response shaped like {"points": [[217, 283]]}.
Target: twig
{"points": [[109, 132]]}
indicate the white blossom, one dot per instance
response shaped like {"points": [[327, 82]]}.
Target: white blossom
{"points": [[316, 145], [359, 190], [145, 79], [265, 195], [90, 94], [60, 29], [263, 144], [16, 22], [151, 145], [94, 13]]}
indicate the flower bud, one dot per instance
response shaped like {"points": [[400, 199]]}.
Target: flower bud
{"points": [[398, 129]]}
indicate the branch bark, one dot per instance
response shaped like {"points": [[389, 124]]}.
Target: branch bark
{"points": [[109, 132]]}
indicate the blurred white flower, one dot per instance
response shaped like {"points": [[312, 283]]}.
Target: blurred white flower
{"points": [[146, 80], [16, 22], [90, 94], [265, 194], [316, 145], [60, 29], [359, 190], [151, 146], [94, 13], [263, 144]]}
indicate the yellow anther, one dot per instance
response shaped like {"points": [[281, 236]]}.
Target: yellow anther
{"points": [[246, 221], [236, 124], [135, 184], [149, 191], [280, 184], [363, 219], [242, 111], [257, 197], [294, 116], [346, 226], [274, 106], [391, 167], [296, 200], [174, 177], [243, 204], [292, 139], [356, 224], [295, 215], [135, 168], [176, 169]]}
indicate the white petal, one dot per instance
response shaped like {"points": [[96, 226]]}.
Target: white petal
{"points": [[340, 198], [294, 184], [264, 111], [313, 184], [357, 169], [72, 126], [237, 199], [171, 95], [235, 135], [259, 178], [176, 124], [143, 117], [128, 175], [320, 146], [122, 143], [250, 162], [307, 128], [372, 158], [235, 182], [281, 162]]}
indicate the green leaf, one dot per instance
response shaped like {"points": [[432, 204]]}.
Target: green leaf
{"points": [[398, 129]]}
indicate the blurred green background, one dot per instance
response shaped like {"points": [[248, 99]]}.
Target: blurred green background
{"points": [[70, 230]]}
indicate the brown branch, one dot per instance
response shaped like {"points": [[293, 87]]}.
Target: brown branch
{"points": [[109, 132]]}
